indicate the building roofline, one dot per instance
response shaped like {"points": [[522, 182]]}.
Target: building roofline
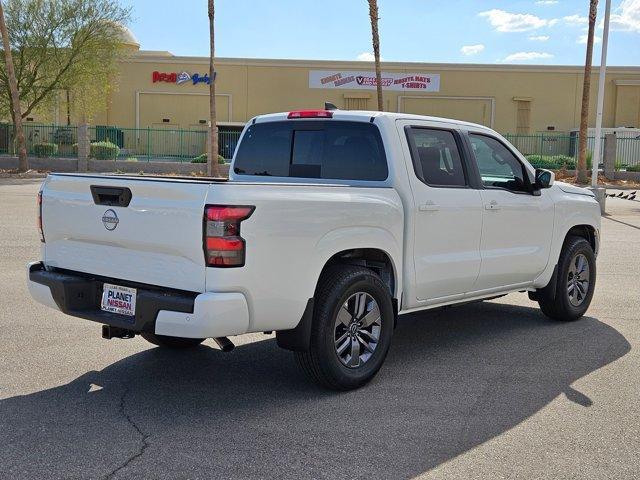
{"points": [[150, 57]]}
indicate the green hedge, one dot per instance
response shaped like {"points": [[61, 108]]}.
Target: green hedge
{"points": [[633, 168], [104, 151], [44, 150], [203, 159], [552, 162]]}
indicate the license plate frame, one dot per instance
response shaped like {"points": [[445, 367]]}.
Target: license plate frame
{"points": [[118, 299]]}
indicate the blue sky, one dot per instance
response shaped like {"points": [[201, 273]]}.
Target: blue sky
{"points": [[471, 31]]}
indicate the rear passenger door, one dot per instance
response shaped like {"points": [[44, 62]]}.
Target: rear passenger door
{"points": [[447, 215]]}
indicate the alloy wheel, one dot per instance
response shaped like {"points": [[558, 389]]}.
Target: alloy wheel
{"points": [[357, 329], [578, 280]]}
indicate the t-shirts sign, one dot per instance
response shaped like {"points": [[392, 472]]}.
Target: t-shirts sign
{"points": [[412, 82]]}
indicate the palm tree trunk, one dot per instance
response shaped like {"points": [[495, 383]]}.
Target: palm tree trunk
{"points": [[212, 161], [584, 114], [373, 16], [16, 111]]}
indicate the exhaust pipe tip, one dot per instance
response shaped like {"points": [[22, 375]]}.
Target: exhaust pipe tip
{"points": [[224, 343]]}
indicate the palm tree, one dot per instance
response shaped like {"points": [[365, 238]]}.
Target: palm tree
{"points": [[373, 16], [16, 111], [212, 161], [584, 114]]}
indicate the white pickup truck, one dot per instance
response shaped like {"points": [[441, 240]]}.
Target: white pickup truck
{"points": [[332, 223]]}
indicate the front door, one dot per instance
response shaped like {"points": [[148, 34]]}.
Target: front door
{"points": [[447, 216], [517, 226]]}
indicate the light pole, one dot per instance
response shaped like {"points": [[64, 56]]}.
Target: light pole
{"points": [[603, 70]]}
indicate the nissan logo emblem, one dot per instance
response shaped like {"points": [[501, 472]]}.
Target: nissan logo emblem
{"points": [[110, 220]]}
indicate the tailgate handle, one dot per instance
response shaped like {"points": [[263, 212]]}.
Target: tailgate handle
{"points": [[112, 196]]}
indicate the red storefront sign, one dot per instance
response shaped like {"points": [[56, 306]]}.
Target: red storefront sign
{"points": [[164, 77]]}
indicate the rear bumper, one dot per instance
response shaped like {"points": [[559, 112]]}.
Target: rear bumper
{"points": [[160, 311]]}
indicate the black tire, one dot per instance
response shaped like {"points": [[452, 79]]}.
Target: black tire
{"points": [[558, 304], [176, 343], [321, 362]]}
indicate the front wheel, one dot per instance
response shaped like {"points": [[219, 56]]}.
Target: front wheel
{"points": [[575, 283], [176, 343], [352, 327]]}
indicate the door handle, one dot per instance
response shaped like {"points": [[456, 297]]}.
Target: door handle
{"points": [[493, 205], [113, 196], [429, 207]]}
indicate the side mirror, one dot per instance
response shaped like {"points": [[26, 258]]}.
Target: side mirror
{"points": [[544, 178]]}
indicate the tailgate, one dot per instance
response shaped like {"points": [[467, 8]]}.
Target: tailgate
{"points": [[156, 239]]}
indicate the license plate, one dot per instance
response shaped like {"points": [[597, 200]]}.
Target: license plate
{"points": [[117, 299]]}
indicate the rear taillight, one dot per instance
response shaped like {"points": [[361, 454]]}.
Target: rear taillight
{"points": [[223, 245], [310, 114], [40, 217]]}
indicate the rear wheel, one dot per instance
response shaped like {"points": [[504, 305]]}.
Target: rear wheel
{"points": [[171, 342], [575, 282], [351, 331]]}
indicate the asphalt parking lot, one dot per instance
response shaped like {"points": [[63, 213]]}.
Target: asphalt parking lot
{"points": [[491, 390]]}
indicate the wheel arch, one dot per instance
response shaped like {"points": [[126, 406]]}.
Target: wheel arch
{"points": [[376, 259], [586, 231]]}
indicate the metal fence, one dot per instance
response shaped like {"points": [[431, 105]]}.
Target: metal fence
{"points": [[627, 149], [164, 144], [627, 152], [544, 144], [142, 144], [63, 137]]}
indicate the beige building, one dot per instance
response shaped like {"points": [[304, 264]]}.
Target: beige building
{"points": [[158, 90]]}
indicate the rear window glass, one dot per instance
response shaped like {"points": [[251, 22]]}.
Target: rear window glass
{"points": [[312, 149]]}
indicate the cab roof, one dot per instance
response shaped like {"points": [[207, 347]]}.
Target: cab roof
{"points": [[362, 116]]}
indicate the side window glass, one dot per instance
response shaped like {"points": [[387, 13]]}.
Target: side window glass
{"points": [[437, 161], [499, 168]]}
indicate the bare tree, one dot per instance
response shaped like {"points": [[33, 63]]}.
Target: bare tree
{"points": [[212, 161], [581, 174], [16, 111], [373, 16]]}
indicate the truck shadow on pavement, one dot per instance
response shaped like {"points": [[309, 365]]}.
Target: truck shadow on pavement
{"points": [[453, 380]]}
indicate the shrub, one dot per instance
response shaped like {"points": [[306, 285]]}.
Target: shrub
{"points": [[552, 162], [203, 159], [43, 150], [570, 164], [104, 151], [620, 165], [633, 168]]}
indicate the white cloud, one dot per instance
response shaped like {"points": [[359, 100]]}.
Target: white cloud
{"points": [[576, 20], [472, 49], [583, 39], [546, 2], [504, 21], [527, 56], [366, 57], [627, 16], [539, 38]]}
